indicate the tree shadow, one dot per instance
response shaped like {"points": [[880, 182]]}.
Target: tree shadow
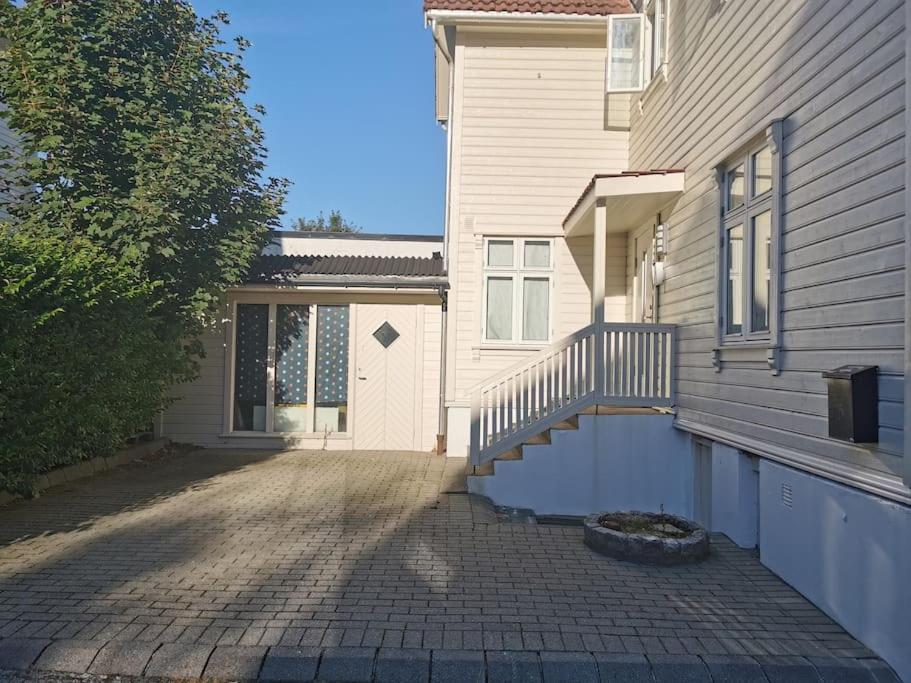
{"points": [[80, 505]]}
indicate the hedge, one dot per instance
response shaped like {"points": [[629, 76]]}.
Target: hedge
{"points": [[84, 363]]}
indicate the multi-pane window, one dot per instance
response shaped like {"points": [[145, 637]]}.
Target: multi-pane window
{"points": [[290, 375], [636, 47], [517, 290], [747, 238]]}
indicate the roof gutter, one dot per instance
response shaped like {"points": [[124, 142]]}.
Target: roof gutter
{"points": [[436, 17], [434, 285]]}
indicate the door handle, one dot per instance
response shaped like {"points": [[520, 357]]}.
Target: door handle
{"points": [[361, 377]]}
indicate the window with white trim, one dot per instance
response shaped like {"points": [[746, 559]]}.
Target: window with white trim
{"points": [[636, 47], [748, 287], [518, 276], [290, 368]]}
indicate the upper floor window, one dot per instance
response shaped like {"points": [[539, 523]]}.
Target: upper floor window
{"points": [[748, 291], [636, 47], [517, 290]]}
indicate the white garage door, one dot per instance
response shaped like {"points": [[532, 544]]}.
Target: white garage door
{"points": [[387, 363]]}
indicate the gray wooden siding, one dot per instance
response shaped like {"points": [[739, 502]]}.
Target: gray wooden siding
{"points": [[835, 71]]}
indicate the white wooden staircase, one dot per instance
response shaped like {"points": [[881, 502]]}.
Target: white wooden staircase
{"points": [[604, 367]]}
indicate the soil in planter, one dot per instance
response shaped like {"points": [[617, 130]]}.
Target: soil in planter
{"points": [[659, 525]]}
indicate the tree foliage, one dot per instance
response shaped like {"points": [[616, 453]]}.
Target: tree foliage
{"points": [[335, 223], [136, 136], [81, 366], [137, 197]]}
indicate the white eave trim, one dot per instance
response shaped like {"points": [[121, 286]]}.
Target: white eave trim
{"points": [[435, 16]]}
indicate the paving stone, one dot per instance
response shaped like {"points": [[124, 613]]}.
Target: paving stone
{"points": [[330, 549], [290, 664], [402, 666], [624, 668], [678, 669], [71, 656], [456, 666], [348, 664], [20, 654], [734, 669], [569, 667], [839, 670], [123, 658], [235, 662], [179, 660], [787, 669], [513, 667]]}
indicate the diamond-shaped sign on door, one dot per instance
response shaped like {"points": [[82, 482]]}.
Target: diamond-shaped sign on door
{"points": [[386, 334]]}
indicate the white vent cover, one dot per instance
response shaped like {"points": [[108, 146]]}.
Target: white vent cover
{"points": [[787, 495]]}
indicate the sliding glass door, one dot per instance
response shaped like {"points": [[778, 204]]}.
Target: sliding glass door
{"points": [[289, 375]]}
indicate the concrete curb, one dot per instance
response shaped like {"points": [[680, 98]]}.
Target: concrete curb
{"points": [[89, 468], [277, 663]]}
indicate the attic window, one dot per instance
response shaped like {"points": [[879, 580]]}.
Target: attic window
{"points": [[636, 47]]}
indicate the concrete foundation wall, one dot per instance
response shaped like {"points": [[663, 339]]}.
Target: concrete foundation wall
{"points": [[458, 431], [847, 551], [735, 495], [612, 462]]}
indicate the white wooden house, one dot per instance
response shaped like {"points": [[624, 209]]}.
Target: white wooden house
{"points": [[333, 342], [666, 219]]}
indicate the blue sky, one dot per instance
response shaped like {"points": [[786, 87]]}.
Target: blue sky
{"points": [[348, 91]]}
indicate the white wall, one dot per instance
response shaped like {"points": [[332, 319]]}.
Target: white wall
{"points": [[612, 462], [735, 495], [197, 416], [299, 245], [847, 551], [528, 132]]}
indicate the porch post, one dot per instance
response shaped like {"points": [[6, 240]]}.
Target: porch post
{"points": [[599, 267], [599, 275]]}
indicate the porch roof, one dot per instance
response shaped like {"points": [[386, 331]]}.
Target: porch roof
{"points": [[631, 197]]}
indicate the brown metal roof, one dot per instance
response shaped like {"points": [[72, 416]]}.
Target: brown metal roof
{"points": [[591, 7], [622, 174], [347, 270]]}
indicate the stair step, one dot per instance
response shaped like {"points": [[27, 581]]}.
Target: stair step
{"points": [[484, 470], [539, 439], [511, 454], [568, 423]]}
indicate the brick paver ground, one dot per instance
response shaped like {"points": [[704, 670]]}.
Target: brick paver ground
{"points": [[320, 551]]}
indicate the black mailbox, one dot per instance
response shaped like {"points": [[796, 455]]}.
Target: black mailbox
{"points": [[853, 403]]}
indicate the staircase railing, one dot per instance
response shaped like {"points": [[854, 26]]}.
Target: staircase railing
{"points": [[611, 364]]}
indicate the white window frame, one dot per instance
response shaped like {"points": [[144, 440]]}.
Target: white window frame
{"points": [[742, 215], [649, 38], [608, 86], [653, 36], [517, 273], [243, 298]]}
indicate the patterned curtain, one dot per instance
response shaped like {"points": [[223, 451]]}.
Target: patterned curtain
{"points": [[332, 355], [292, 338], [250, 363]]}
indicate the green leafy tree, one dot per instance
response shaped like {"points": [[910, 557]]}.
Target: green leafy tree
{"points": [[136, 136], [81, 364], [335, 223]]}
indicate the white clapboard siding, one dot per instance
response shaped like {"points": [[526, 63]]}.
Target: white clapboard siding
{"points": [[834, 70], [197, 415], [528, 133]]}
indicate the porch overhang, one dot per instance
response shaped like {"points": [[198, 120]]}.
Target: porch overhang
{"points": [[631, 198]]}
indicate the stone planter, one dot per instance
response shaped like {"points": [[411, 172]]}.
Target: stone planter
{"points": [[692, 545]]}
